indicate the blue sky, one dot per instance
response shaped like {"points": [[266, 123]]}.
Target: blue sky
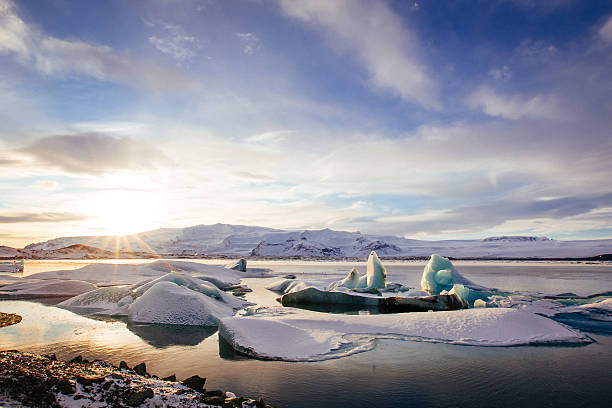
{"points": [[431, 120]]}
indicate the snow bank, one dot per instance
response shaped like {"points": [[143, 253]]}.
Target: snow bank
{"points": [[30, 288], [301, 335]]}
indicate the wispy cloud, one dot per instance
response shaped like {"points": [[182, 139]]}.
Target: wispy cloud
{"points": [[605, 32], [250, 43], [173, 40], [378, 39], [13, 218], [515, 106], [93, 153], [60, 58]]}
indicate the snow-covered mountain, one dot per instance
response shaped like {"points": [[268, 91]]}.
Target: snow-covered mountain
{"points": [[240, 240]]}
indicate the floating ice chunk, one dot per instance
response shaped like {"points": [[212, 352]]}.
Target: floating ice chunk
{"points": [[376, 274], [313, 297], [440, 274], [351, 281], [479, 303], [468, 294], [301, 335], [168, 303], [32, 288], [240, 265], [181, 279], [102, 298]]}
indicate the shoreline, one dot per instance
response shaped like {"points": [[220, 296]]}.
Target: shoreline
{"points": [[43, 381]]}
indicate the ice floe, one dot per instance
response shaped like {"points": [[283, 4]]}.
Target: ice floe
{"points": [[32, 288], [301, 335], [168, 303], [174, 298], [129, 274]]}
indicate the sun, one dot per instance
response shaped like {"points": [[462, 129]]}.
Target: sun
{"points": [[123, 214]]}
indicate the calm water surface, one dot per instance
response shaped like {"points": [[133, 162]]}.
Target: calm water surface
{"points": [[395, 374]]}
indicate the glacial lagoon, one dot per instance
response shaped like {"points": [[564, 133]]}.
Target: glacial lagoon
{"points": [[394, 373]]}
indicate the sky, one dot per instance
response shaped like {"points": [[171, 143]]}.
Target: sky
{"points": [[423, 119]]}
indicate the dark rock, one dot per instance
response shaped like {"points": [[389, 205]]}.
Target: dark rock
{"points": [[89, 380], [260, 403], [77, 359], [51, 357], [139, 397], [170, 378], [65, 387], [195, 382], [141, 369], [218, 401], [290, 276], [78, 397], [107, 385], [214, 393], [123, 365], [85, 361]]}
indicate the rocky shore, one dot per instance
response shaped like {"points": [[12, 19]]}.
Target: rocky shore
{"points": [[43, 381]]}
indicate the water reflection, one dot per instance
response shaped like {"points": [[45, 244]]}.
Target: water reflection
{"points": [[165, 335]]}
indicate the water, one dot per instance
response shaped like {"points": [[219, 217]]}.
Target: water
{"points": [[396, 373]]}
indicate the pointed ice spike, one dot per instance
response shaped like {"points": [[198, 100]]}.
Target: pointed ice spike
{"points": [[375, 272]]}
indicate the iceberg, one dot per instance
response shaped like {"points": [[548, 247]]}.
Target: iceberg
{"points": [[376, 273], [102, 298], [375, 277], [174, 298], [239, 265], [168, 303], [302, 335], [468, 294], [351, 281], [345, 301], [440, 275]]}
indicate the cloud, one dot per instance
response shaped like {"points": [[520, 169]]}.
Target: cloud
{"points": [[173, 41], [94, 153], [58, 58], [501, 74], [250, 43], [605, 32], [378, 39], [14, 218], [515, 106]]}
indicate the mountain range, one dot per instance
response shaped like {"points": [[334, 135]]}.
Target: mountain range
{"points": [[241, 240]]}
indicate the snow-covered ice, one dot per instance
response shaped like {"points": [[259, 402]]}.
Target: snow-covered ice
{"points": [[300, 335], [129, 274], [29, 288], [168, 303], [174, 298]]}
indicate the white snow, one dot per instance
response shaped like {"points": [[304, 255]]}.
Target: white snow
{"points": [[300, 335]]}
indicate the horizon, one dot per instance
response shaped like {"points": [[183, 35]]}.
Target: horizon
{"points": [[481, 238], [414, 119]]}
